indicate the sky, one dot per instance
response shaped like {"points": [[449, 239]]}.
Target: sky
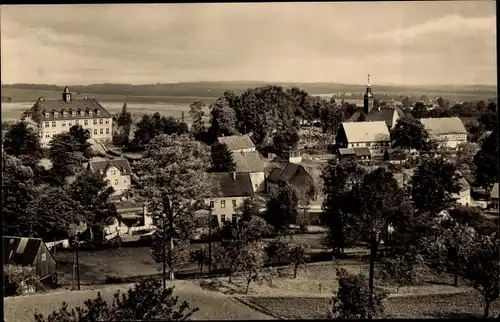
{"points": [[403, 43]]}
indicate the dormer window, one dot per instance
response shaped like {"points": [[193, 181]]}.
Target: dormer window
{"points": [[90, 113], [82, 113], [56, 114], [65, 114], [73, 113], [98, 112], [47, 115]]}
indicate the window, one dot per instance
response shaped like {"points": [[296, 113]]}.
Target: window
{"points": [[98, 112], [95, 131], [56, 114], [73, 113], [47, 124], [64, 124], [100, 121], [47, 135], [107, 131], [125, 180], [47, 115], [113, 172], [223, 203], [116, 182], [101, 131], [77, 122], [222, 218], [368, 144], [95, 122], [65, 113], [256, 186], [107, 121], [43, 257], [211, 204], [86, 122], [82, 113], [53, 123], [234, 203], [90, 113], [70, 124]]}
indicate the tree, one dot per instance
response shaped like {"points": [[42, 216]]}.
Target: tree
{"points": [[222, 159], [409, 133], [485, 160], [330, 116], [406, 102], [489, 117], [419, 111], [124, 122], [472, 217], [146, 301], [465, 156], [299, 97], [482, 269], [282, 207], [92, 191], [196, 112], [23, 142], [251, 262], [66, 155], [223, 118], [151, 126], [433, 183], [352, 300], [19, 279], [172, 178], [297, 255], [339, 179], [277, 249], [440, 101], [285, 140]]}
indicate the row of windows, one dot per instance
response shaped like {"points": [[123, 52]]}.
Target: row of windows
{"points": [[73, 113], [101, 132], [70, 123], [234, 218], [117, 181], [222, 204]]}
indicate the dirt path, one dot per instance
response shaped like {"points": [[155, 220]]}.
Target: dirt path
{"points": [[213, 306]]}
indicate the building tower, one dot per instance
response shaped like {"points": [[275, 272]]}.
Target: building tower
{"points": [[66, 95], [368, 98]]}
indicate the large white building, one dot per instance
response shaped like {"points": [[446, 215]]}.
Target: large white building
{"points": [[446, 131], [58, 116]]}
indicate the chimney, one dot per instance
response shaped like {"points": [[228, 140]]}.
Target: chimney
{"points": [[234, 175]]}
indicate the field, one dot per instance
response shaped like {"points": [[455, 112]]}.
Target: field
{"points": [[463, 305], [212, 306]]}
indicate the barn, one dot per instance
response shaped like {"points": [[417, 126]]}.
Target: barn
{"points": [[26, 251]]}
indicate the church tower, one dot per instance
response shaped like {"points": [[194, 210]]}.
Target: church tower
{"points": [[368, 98], [66, 95]]}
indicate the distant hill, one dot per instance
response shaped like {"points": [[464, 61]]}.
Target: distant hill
{"points": [[188, 92]]}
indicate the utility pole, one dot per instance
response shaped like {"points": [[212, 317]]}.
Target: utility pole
{"points": [[210, 240], [164, 244]]}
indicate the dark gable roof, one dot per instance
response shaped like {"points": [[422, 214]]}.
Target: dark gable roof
{"points": [[362, 152], [285, 174], [77, 105], [20, 250], [239, 186], [104, 165], [384, 114]]}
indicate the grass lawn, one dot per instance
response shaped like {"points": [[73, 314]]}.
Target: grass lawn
{"points": [[212, 306], [432, 306]]}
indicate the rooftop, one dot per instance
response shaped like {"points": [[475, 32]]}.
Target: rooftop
{"points": [[103, 165], [444, 125], [248, 161], [494, 191], [234, 184], [80, 108], [20, 250], [376, 131], [285, 174], [384, 114], [237, 142]]}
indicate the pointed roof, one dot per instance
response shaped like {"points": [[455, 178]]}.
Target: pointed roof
{"points": [[248, 161], [237, 142], [366, 131], [104, 165], [444, 125], [66, 90]]}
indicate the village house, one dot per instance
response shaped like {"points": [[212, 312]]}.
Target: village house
{"points": [[295, 175], [58, 116], [493, 204], [448, 132], [235, 187], [117, 171], [26, 251], [372, 135], [237, 143], [251, 163], [463, 197]]}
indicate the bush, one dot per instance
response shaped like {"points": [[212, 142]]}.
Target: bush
{"points": [[19, 280]]}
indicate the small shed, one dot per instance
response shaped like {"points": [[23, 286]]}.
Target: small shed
{"points": [[27, 251]]}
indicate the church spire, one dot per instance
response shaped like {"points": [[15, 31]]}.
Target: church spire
{"points": [[368, 98]]}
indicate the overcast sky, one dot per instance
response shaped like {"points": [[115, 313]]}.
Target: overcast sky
{"points": [[452, 42]]}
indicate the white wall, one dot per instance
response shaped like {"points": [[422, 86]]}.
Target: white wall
{"points": [[228, 210], [50, 128], [376, 148], [258, 181], [450, 140], [244, 150], [463, 198], [119, 182]]}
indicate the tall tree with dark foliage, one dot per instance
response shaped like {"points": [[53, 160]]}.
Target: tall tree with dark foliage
{"points": [[23, 142], [222, 160]]}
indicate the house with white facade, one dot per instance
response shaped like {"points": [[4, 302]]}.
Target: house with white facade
{"points": [[372, 135], [493, 204], [463, 197], [117, 171], [237, 143], [448, 132], [58, 116], [235, 187]]}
